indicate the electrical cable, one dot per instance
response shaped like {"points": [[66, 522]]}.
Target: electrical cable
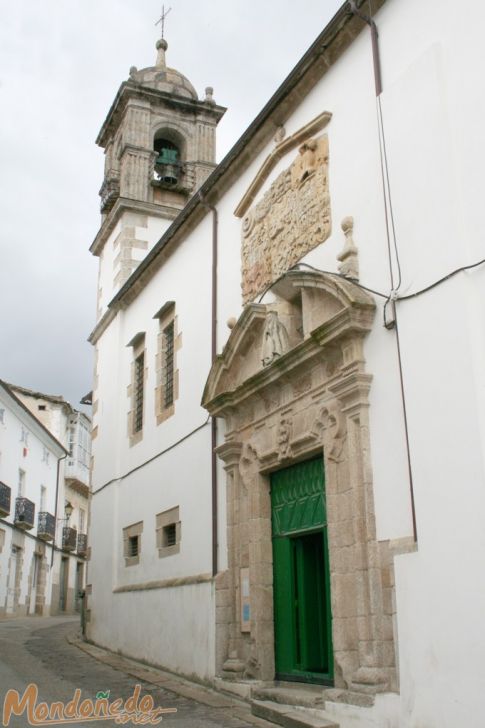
{"points": [[150, 460], [441, 280], [388, 296]]}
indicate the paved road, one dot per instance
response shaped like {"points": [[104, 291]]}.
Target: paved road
{"points": [[36, 650]]}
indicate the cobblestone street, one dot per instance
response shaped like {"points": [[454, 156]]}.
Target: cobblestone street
{"points": [[35, 650]]}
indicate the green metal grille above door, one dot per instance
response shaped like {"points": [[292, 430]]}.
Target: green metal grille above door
{"points": [[298, 498]]}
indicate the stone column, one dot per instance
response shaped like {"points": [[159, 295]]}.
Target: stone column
{"points": [[228, 663], [357, 533], [260, 663]]}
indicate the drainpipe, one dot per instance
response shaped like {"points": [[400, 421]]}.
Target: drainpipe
{"points": [[55, 514], [378, 84], [375, 44], [215, 519]]}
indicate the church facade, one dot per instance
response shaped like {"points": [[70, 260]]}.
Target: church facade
{"points": [[285, 345]]}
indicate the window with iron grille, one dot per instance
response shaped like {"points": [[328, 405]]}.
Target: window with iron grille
{"points": [[138, 390], [169, 535], [132, 543], [168, 364], [169, 532], [133, 546]]}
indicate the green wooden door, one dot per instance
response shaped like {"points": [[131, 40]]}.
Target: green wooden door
{"points": [[303, 630]]}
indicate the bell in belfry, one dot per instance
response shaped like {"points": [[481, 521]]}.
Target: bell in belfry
{"points": [[167, 164]]}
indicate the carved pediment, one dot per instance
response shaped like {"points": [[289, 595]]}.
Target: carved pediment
{"points": [[314, 315], [242, 353]]}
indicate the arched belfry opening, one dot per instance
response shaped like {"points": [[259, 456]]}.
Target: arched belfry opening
{"points": [[168, 165]]}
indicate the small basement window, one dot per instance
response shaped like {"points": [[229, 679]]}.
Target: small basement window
{"points": [[169, 532], [132, 543], [133, 546], [170, 535]]}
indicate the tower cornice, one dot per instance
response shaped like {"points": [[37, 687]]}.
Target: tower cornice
{"points": [[131, 90]]}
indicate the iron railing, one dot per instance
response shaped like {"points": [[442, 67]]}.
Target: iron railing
{"points": [[5, 499], [24, 513], [69, 538], [82, 544], [46, 526]]}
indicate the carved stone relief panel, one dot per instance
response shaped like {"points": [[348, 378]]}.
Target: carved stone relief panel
{"points": [[292, 218]]}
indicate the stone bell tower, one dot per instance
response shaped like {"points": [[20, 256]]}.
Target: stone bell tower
{"points": [[159, 142]]}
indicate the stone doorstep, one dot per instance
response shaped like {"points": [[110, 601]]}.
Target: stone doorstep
{"points": [[306, 696], [288, 716], [240, 688], [310, 696]]}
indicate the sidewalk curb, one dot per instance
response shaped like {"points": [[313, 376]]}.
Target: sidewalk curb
{"points": [[168, 681]]}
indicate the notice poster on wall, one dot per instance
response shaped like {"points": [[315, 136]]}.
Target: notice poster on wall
{"points": [[245, 605]]}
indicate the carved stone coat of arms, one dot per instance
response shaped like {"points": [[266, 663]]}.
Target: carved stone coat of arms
{"points": [[292, 218]]}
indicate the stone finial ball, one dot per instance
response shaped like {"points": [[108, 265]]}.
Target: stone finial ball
{"points": [[162, 43], [347, 224], [231, 322]]}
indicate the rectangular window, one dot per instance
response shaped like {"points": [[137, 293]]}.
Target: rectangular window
{"points": [[21, 482], [133, 546], [72, 440], [138, 386], [132, 543], [43, 494], [24, 436], [168, 364], [84, 443], [169, 343], [169, 532], [82, 520], [170, 535]]}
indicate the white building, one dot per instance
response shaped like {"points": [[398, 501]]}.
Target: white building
{"points": [[29, 490], [336, 539], [67, 496]]}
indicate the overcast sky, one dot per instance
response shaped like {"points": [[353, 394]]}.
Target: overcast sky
{"points": [[61, 63]]}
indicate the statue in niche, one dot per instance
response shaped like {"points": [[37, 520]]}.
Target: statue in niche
{"points": [[275, 339]]}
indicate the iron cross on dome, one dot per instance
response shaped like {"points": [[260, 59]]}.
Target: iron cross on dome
{"points": [[162, 19]]}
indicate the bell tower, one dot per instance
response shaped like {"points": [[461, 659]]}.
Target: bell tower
{"points": [[159, 141]]}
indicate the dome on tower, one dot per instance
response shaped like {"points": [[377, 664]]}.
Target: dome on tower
{"points": [[162, 78]]}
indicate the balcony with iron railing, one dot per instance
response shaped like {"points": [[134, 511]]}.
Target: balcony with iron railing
{"points": [[46, 526], [82, 544], [5, 499], [69, 538], [24, 513]]}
